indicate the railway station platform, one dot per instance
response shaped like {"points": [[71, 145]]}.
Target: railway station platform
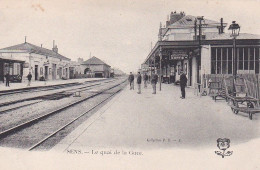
{"points": [[163, 121], [34, 84]]}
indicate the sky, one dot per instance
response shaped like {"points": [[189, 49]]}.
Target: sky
{"points": [[119, 32]]}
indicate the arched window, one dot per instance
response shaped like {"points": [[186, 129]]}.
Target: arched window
{"points": [[87, 70]]}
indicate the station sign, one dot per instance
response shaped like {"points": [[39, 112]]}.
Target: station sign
{"points": [[179, 55], [144, 66]]}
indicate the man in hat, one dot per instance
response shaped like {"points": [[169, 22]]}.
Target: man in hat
{"points": [[29, 76], [139, 81], [145, 80], [154, 80], [131, 80], [7, 79], [183, 83]]}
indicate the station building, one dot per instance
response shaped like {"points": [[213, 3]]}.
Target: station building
{"points": [[94, 67], [43, 63], [199, 46]]}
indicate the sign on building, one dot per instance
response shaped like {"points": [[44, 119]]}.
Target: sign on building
{"points": [[179, 55], [144, 67]]}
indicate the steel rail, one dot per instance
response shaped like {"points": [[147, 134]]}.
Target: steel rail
{"points": [[46, 88], [28, 123], [18, 107], [39, 96], [69, 123]]}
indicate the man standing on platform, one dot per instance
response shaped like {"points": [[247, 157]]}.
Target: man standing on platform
{"points": [[183, 83], [29, 76], [145, 80], [139, 81], [131, 80], [7, 79], [154, 80]]}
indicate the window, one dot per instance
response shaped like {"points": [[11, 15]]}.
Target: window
{"points": [[257, 60], [240, 58], [221, 60], [18, 69], [251, 58], [213, 60], [230, 61], [246, 58], [224, 60]]}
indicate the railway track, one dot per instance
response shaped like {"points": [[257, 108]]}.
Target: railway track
{"points": [[56, 120], [54, 96], [50, 95], [44, 88], [12, 116]]}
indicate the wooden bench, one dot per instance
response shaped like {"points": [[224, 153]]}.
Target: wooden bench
{"points": [[216, 90], [241, 103], [250, 108]]}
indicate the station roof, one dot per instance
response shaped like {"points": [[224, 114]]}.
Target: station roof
{"points": [[222, 39], [188, 20], [94, 61], [241, 36], [28, 47]]}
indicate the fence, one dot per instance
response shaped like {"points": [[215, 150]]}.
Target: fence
{"points": [[251, 82]]}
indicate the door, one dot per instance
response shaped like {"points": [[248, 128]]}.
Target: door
{"points": [[66, 74], [46, 72], [2, 71], [53, 71], [71, 75], [98, 75], [36, 72]]}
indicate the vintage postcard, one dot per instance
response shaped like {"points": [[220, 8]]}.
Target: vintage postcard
{"points": [[128, 84]]}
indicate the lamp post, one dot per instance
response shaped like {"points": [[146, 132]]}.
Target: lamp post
{"points": [[235, 29]]}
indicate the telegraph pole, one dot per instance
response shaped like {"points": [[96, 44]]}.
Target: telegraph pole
{"points": [[199, 56], [160, 55]]}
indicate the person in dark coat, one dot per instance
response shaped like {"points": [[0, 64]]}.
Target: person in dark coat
{"points": [[29, 76], [7, 79], [183, 83], [154, 80], [131, 80], [139, 81], [145, 80]]}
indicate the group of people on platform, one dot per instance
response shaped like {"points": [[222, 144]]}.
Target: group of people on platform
{"points": [[7, 79], [153, 80]]}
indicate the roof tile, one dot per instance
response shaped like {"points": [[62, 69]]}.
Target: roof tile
{"points": [[35, 49], [94, 61]]}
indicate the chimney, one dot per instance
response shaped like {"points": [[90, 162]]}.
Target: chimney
{"points": [[167, 23], [55, 48], [195, 29], [160, 32], [221, 26], [41, 45]]}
